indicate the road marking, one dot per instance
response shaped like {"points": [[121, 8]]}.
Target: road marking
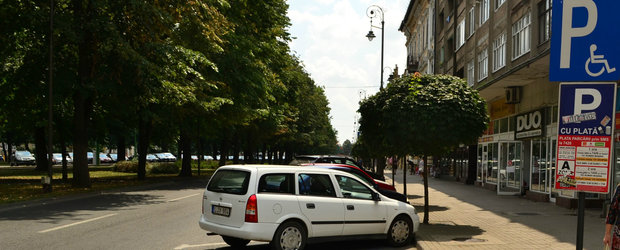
{"points": [[77, 223], [183, 197], [186, 246]]}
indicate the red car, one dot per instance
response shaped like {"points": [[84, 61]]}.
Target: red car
{"points": [[356, 171]]}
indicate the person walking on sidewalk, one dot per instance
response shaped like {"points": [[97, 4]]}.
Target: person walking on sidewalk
{"points": [[612, 231]]}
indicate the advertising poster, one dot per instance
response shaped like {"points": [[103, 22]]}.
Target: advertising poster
{"points": [[585, 136]]}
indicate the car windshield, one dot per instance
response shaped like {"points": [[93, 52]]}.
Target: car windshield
{"points": [[57, 155], [168, 155], [23, 153], [90, 154]]}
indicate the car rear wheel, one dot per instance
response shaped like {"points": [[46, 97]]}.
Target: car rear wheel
{"points": [[400, 232], [290, 235], [235, 242]]}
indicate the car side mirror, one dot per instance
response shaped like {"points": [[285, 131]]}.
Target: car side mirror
{"points": [[375, 196]]}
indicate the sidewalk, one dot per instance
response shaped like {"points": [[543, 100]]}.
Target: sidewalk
{"points": [[469, 217]]}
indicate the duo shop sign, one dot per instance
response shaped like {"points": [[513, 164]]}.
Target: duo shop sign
{"points": [[530, 124], [585, 129]]}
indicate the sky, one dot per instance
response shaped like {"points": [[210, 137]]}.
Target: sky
{"points": [[329, 36]]}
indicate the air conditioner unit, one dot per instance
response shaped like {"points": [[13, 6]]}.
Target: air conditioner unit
{"points": [[513, 95]]}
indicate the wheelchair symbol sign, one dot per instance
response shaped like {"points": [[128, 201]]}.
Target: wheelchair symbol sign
{"points": [[584, 41], [597, 59]]}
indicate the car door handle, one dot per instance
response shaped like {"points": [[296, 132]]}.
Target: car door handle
{"points": [[310, 205], [350, 207]]}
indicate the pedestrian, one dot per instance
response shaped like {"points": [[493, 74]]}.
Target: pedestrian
{"points": [[612, 232], [421, 167]]}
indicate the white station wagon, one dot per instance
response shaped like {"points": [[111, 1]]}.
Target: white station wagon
{"points": [[287, 206]]}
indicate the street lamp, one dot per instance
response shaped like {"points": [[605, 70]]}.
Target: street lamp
{"points": [[375, 11]]}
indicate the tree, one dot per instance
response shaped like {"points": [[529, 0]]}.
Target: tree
{"points": [[424, 115]]}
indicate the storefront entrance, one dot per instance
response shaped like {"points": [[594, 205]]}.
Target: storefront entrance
{"points": [[543, 166], [499, 163]]}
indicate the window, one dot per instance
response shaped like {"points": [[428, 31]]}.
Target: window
{"points": [[498, 3], [539, 166], [460, 34], [499, 52], [484, 11], [472, 21], [353, 189], [229, 181], [544, 21], [316, 184], [521, 36], [471, 77], [277, 183], [483, 64], [441, 55]]}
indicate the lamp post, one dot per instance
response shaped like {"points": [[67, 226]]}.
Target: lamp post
{"points": [[375, 11]]}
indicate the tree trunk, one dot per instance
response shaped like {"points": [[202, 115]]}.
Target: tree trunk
{"points": [[224, 146], [63, 151], [120, 148], [186, 145], [40, 149], [83, 96], [381, 166], [425, 177], [144, 135]]}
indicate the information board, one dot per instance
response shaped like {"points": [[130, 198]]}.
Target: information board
{"points": [[585, 129]]}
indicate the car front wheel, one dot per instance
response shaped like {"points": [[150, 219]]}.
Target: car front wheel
{"points": [[401, 231], [235, 242], [289, 236]]}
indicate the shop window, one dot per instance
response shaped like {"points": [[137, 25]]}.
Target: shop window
{"points": [[503, 125], [496, 127], [539, 166], [492, 165], [512, 123]]}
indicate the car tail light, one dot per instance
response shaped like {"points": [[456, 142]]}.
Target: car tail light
{"points": [[204, 199], [251, 209]]}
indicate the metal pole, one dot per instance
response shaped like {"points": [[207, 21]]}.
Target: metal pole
{"points": [[382, 31], [50, 98], [580, 215]]}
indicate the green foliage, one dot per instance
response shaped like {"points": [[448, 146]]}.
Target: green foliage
{"points": [[422, 114], [163, 168], [125, 166]]}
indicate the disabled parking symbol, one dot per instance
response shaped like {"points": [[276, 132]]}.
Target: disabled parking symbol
{"points": [[597, 59]]}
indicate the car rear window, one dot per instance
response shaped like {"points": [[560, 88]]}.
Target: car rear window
{"points": [[229, 181]]}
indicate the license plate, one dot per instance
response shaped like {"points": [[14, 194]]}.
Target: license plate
{"points": [[219, 210]]}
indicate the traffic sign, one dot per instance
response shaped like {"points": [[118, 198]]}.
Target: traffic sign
{"points": [[585, 129], [584, 41]]}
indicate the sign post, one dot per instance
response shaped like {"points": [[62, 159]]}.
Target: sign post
{"points": [[585, 136]]}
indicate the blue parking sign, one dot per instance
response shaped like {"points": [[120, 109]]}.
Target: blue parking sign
{"points": [[585, 41]]}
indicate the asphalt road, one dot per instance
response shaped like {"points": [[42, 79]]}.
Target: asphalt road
{"points": [[163, 217]]}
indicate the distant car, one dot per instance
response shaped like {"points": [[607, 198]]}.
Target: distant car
{"points": [[103, 158], [70, 157], [57, 158], [338, 159], [288, 206], [24, 158], [166, 157], [151, 158], [114, 157], [91, 157]]}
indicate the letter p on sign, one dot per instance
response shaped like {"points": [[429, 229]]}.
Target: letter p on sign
{"points": [[580, 106], [569, 31]]}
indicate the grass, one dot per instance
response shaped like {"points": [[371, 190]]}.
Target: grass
{"points": [[22, 184]]}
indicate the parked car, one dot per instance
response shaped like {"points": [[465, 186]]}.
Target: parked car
{"points": [[288, 205], [114, 157], [166, 157], [70, 157], [91, 157], [151, 158], [381, 186], [339, 159], [24, 158], [103, 158], [57, 158]]}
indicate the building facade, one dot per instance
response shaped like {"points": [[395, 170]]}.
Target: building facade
{"points": [[419, 29], [502, 49]]}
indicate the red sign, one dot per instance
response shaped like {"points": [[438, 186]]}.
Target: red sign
{"points": [[583, 163]]}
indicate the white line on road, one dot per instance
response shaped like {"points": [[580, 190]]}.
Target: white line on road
{"points": [[186, 246], [77, 223], [183, 197]]}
